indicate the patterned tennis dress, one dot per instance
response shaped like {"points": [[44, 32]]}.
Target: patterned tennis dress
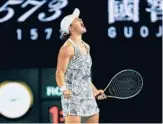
{"points": [[78, 80]]}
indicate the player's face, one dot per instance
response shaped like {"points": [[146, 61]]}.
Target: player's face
{"points": [[78, 26]]}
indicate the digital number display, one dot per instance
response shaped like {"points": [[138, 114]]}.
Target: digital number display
{"points": [[51, 112], [32, 20], [56, 115], [54, 7]]}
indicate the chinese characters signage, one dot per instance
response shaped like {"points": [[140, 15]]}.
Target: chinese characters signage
{"points": [[129, 11]]}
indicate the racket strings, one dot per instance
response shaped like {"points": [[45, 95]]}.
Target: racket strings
{"points": [[125, 84]]}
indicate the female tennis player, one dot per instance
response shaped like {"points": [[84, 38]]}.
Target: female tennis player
{"points": [[73, 74]]}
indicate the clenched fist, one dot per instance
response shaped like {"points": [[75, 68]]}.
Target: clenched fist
{"points": [[67, 93]]}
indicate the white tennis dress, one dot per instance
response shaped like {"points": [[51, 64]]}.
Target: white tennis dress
{"points": [[78, 81]]}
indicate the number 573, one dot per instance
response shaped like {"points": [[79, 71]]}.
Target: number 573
{"points": [[55, 7]]}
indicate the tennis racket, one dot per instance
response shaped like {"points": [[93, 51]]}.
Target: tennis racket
{"points": [[124, 85]]}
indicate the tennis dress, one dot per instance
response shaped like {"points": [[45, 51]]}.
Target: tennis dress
{"points": [[78, 81]]}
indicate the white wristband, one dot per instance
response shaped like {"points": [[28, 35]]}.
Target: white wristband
{"points": [[63, 88]]}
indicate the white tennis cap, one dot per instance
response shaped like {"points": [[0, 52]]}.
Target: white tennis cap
{"points": [[67, 20]]}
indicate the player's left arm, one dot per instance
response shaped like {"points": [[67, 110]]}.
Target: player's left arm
{"points": [[96, 92]]}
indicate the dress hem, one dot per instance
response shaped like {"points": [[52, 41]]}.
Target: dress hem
{"points": [[83, 115]]}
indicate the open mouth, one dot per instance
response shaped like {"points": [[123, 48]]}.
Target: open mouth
{"points": [[82, 25]]}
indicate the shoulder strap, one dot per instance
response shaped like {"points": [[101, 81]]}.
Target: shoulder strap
{"points": [[87, 46], [71, 42], [76, 50]]}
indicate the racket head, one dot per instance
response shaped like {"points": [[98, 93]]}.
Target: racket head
{"points": [[124, 85]]}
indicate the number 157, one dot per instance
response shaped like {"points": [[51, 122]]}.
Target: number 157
{"points": [[34, 34]]}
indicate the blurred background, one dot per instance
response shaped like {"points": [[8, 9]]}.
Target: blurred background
{"points": [[122, 34]]}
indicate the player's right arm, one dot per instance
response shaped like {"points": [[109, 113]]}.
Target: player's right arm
{"points": [[64, 56]]}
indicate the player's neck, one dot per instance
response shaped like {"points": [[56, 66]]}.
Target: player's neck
{"points": [[77, 38]]}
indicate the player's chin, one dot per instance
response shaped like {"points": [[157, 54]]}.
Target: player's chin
{"points": [[83, 30]]}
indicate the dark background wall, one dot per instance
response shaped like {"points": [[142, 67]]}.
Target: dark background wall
{"points": [[38, 51]]}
